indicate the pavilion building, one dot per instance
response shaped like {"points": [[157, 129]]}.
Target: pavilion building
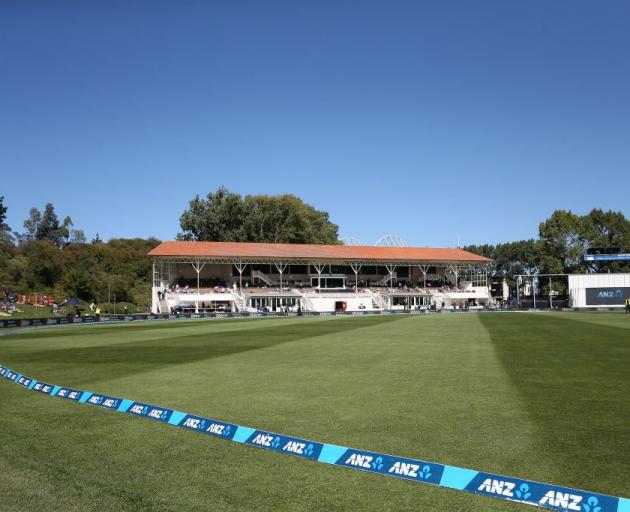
{"points": [[230, 276]]}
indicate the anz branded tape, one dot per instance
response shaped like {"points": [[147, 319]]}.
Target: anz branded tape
{"points": [[551, 497]]}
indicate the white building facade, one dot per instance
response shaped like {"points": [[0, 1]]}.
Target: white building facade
{"points": [[598, 291]]}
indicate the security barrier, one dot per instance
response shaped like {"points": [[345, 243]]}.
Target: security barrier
{"points": [[547, 496]]}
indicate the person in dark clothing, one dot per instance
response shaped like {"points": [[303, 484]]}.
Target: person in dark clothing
{"points": [[628, 306]]}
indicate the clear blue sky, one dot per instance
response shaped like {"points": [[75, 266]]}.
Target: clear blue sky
{"points": [[431, 120]]}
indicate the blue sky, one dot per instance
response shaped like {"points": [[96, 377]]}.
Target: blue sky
{"points": [[432, 120]]}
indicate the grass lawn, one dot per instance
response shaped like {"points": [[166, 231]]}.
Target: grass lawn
{"points": [[29, 311], [536, 396]]}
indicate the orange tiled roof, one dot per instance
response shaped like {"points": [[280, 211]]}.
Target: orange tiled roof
{"points": [[314, 252]]}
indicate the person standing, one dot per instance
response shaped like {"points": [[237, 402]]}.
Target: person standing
{"points": [[628, 306]]}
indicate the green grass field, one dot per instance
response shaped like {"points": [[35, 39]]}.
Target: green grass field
{"points": [[537, 396]]}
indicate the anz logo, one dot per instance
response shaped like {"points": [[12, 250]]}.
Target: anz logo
{"points": [[299, 448], [69, 394], [25, 381], [219, 430], [294, 447], [498, 487], [365, 461], [158, 414], [266, 440], [194, 423], [95, 400], [138, 409], [609, 294], [566, 501], [110, 403], [411, 470], [154, 413], [44, 388]]}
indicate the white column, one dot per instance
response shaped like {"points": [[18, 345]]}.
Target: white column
{"points": [[356, 268], [240, 267], [281, 267], [198, 266], [424, 269], [319, 268]]}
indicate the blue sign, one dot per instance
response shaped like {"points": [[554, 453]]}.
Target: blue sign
{"points": [[542, 495], [208, 426], [401, 467], [108, 402], [150, 411], [285, 444], [69, 394]]}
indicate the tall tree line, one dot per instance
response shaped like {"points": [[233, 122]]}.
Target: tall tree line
{"points": [[562, 241], [52, 257]]}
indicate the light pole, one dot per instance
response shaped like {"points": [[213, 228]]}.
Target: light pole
{"points": [[114, 303]]}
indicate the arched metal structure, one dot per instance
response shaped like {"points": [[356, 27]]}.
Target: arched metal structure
{"points": [[391, 240], [350, 240]]}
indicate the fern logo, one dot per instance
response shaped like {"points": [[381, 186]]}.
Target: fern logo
{"points": [[591, 505], [308, 451], [377, 464], [523, 492], [425, 472]]}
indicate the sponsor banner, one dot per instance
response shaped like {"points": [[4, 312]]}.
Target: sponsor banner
{"points": [[150, 411], [285, 444], [25, 381], [11, 375], [615, 296], [401, 467], [107, 402], [541, 495], [208, 426], [42, 387], [69, 394]]}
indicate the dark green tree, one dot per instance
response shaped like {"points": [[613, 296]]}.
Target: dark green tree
{"points": [[5, 230], [218, 218], [31, 225], [565, 237], [45, 264], [227, 217], [46, 226]]}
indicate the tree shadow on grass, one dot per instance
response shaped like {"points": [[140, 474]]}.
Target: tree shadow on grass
{"points": [[90, 364]]}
